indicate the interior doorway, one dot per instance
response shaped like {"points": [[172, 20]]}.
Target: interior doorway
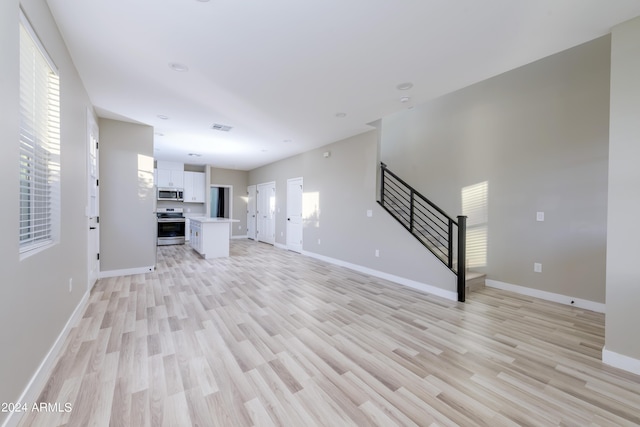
{"points": [[220, 199]]}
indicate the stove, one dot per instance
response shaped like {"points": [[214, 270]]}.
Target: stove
{"points": [[171, 226]]}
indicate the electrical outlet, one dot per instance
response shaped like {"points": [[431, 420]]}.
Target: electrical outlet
{"points": [[540, 216], [70, 284], [377, 253], [537, 267], [318, 241], [369, 213]]}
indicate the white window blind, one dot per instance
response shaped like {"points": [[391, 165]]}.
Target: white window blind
{"points": [[39, 143]]}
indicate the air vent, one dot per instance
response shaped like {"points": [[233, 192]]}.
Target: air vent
{"points": [[221, 128]]}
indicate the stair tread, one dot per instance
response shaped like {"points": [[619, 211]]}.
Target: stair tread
{"points": [[470, 275]]}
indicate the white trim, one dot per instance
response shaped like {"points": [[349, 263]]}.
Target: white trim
{"points": [[42, 374], [430, 289], [281, 246], [240, 237], [126, 272], [620, 361], [548, 296]]}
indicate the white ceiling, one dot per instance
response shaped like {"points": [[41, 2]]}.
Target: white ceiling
{"points": [[278, 71]]}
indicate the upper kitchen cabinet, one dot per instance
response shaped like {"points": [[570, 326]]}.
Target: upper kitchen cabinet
{"points": [[170, 174], [194, 187]]}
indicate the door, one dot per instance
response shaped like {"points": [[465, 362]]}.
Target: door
{"points": [[294, 214], [93, 201], [266, 212], [251, 212]]}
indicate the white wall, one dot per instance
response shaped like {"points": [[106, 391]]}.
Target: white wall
{"points": [[538, 136], [128, 223], [338, 191], [623, 227], [35, 302]]}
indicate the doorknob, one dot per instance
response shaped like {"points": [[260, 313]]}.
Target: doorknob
{"points": [[288, 219], [92, 228]]}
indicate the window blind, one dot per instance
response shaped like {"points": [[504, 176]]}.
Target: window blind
{"points": [[39, 143]]}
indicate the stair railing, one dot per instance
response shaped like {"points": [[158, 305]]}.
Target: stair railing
{"points": [[437, 231]]}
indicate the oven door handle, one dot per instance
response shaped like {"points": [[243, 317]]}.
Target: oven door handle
{"points": [[171, 220]]}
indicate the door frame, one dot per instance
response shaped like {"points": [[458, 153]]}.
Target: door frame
{"points": [[229, 202], [93, 212], [251, 213]]}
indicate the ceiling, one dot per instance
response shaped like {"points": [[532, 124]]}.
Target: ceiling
{"points": [[289, 75]]}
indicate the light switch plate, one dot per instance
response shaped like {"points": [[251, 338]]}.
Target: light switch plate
{"points": [[537, 267], [539, 216]]}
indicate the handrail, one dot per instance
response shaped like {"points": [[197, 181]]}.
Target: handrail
{"points": [[427, 223], [384, 167]]}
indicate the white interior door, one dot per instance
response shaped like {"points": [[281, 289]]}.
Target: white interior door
{"points": [[251, 212], [266, 212], [93, 201], [294, 214]]}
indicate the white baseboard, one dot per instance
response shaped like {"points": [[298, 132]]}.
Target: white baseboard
{"points": [[280, 246], [429, 289], [620, 361], [42, 374], [126, 272], [240, 237], [548, 296]]}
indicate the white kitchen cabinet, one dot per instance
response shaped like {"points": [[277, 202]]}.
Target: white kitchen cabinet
{"points": [[187, 229], [170, 174], [194, 187], [210, 236], [168, 178], [195, 240]]}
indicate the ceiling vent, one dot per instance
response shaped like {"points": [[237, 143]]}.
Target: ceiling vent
{"points": [[221, 128]]}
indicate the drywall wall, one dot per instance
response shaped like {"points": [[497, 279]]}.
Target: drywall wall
{"points": [[623, 228], [128, 223], [538, 137], [35, 302], [238, 180], [338, 192]]}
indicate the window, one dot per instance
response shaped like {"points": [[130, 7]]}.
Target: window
{"points": [[39, 144]]}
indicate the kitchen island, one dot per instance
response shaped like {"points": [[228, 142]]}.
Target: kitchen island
{"points": [[210, 236]]}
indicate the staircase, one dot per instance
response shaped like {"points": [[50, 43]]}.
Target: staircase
{"points": [[437, 231]]}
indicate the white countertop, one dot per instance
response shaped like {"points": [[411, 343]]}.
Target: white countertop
{"points": [[207, 219]]}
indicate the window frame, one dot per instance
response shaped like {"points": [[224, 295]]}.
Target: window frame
{"points": [[39, 145]]}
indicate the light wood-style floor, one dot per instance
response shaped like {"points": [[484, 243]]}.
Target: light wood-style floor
{"points": [[269, 337]]}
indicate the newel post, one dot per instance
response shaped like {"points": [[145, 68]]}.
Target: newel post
{"points": [[462, 251]]}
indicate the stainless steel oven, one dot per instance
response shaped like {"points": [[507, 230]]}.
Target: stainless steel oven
{"points": [[171, 226]]}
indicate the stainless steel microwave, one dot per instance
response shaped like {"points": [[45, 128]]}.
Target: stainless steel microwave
{"points": [[170, 194]]}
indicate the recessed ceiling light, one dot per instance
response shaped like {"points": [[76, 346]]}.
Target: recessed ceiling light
{"points": [[287, 141], [175, 66], [405, 99], [195, 155], [341, 115], [404, 86], [159, 134], [264, 150], [163, 117]]}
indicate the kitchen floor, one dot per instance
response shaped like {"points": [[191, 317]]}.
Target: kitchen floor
{"points": [[271, 337]]}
